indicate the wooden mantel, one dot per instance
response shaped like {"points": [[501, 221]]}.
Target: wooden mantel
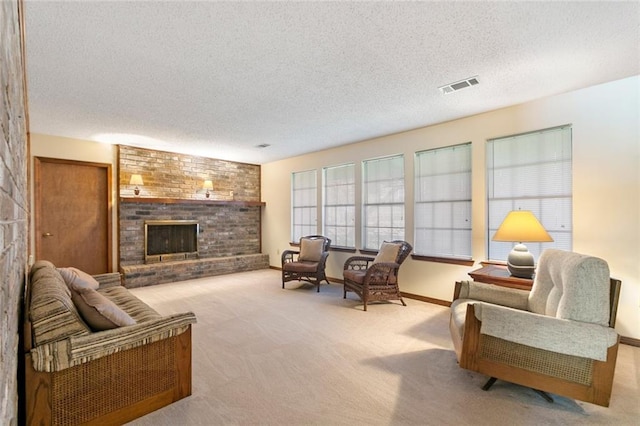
{"points": [[192, 201]]}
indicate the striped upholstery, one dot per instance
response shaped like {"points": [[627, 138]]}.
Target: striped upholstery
{"points": [[61, 339], [53, 315]]}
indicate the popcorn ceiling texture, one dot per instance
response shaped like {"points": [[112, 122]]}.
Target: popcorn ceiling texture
{"points": [[217, 79], [13, 205]]}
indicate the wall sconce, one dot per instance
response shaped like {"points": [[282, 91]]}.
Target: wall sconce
{"points": [[136, 180], [207, 185], [518, 227]]}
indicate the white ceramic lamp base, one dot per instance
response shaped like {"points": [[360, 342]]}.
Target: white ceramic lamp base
{"points": [[520, 262]]}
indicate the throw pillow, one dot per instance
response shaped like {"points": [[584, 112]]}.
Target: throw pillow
{"points": [[98, 311], [388, 252], [310, 250], [78, 280]]}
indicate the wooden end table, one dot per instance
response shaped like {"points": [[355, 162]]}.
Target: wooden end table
{"points": [[499, 275]]}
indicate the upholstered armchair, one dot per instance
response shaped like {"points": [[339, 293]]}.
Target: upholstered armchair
{"points": [[308, 263], [375, 279], [557, 338]]}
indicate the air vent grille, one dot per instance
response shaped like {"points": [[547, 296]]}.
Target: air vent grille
{"points": [[459, 85]]}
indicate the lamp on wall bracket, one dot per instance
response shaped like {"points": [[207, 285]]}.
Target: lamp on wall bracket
{"points": [[208, 185], [521, 226], [136, 180]]}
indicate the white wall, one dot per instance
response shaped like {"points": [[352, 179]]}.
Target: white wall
{"points": [[78, 150], [606, 187]]}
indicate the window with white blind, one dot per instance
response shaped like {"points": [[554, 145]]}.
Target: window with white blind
{"points": [[339, 222], [532, 172], [442, 210], [304, 210], [383, 201]]}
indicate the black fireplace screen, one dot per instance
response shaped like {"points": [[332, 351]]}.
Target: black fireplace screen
{"points": [[170, 237]]}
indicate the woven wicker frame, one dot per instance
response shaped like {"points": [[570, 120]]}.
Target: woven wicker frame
{"points": [[573, 377], [572, 368], [381, 279], [314, 277], [113, 389], [106, 377]]}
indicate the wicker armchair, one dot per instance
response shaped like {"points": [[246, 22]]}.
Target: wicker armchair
{"points": [[376, 279], [558, 338], [308, 263]]}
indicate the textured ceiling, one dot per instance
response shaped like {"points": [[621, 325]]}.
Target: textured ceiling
{"points": [[217, 79]]}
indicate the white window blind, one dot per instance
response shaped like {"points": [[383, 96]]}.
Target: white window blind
{"points": [[442, 210], [339, 222], [304, 209], [383, 201], [531, 172]]}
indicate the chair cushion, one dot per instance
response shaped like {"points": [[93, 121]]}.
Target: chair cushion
{"points": [[98, 311], [356, 276], [388, 252], [571, 286], [301, 266], [78, 280], [310, 250]]}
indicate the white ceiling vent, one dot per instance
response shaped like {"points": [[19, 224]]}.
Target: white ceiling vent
{"points": [[459, 85]]}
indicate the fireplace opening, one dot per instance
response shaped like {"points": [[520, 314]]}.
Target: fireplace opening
{"points": [[169, 240]]}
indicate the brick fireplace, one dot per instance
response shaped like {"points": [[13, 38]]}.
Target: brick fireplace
{"points": [[228, 228], [170, 240]]}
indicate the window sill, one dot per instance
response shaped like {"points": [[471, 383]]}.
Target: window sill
{"points": [[343, 249], [450, 260]]}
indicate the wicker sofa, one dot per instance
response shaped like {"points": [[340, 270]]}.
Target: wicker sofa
{"points": [[75, 375]]}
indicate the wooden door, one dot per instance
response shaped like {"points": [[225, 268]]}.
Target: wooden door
{"points": [[73, 214]]}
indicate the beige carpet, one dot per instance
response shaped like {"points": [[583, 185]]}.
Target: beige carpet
{"points": [[264, 355]]}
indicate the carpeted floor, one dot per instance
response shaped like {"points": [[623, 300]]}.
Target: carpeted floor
{"points": [[267, 356]]}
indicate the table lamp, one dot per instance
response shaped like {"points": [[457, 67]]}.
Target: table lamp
{"points": [[521, 226], [136, 180], [208, 185]]}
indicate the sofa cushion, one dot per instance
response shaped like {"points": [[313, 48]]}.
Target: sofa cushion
{"points": [[98, 311], [52, 313], [388, 252], [310, 250], [136, 308], [78, 280]]}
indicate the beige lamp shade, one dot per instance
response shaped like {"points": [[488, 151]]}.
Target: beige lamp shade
{"points": [[136, 180], [207, 184], [523, 227]]}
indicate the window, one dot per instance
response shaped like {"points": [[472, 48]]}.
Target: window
{"points": [[339, 205], [383, 201], [442, 211], [531, 172], [304, 204]]}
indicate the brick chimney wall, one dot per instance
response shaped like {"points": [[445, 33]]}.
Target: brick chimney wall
{"points": [[226, 229], [14, 206], [180, 176]]}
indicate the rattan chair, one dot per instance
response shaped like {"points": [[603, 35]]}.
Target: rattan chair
{"points": [[308, 263], [376, 279], [558, 338]]}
